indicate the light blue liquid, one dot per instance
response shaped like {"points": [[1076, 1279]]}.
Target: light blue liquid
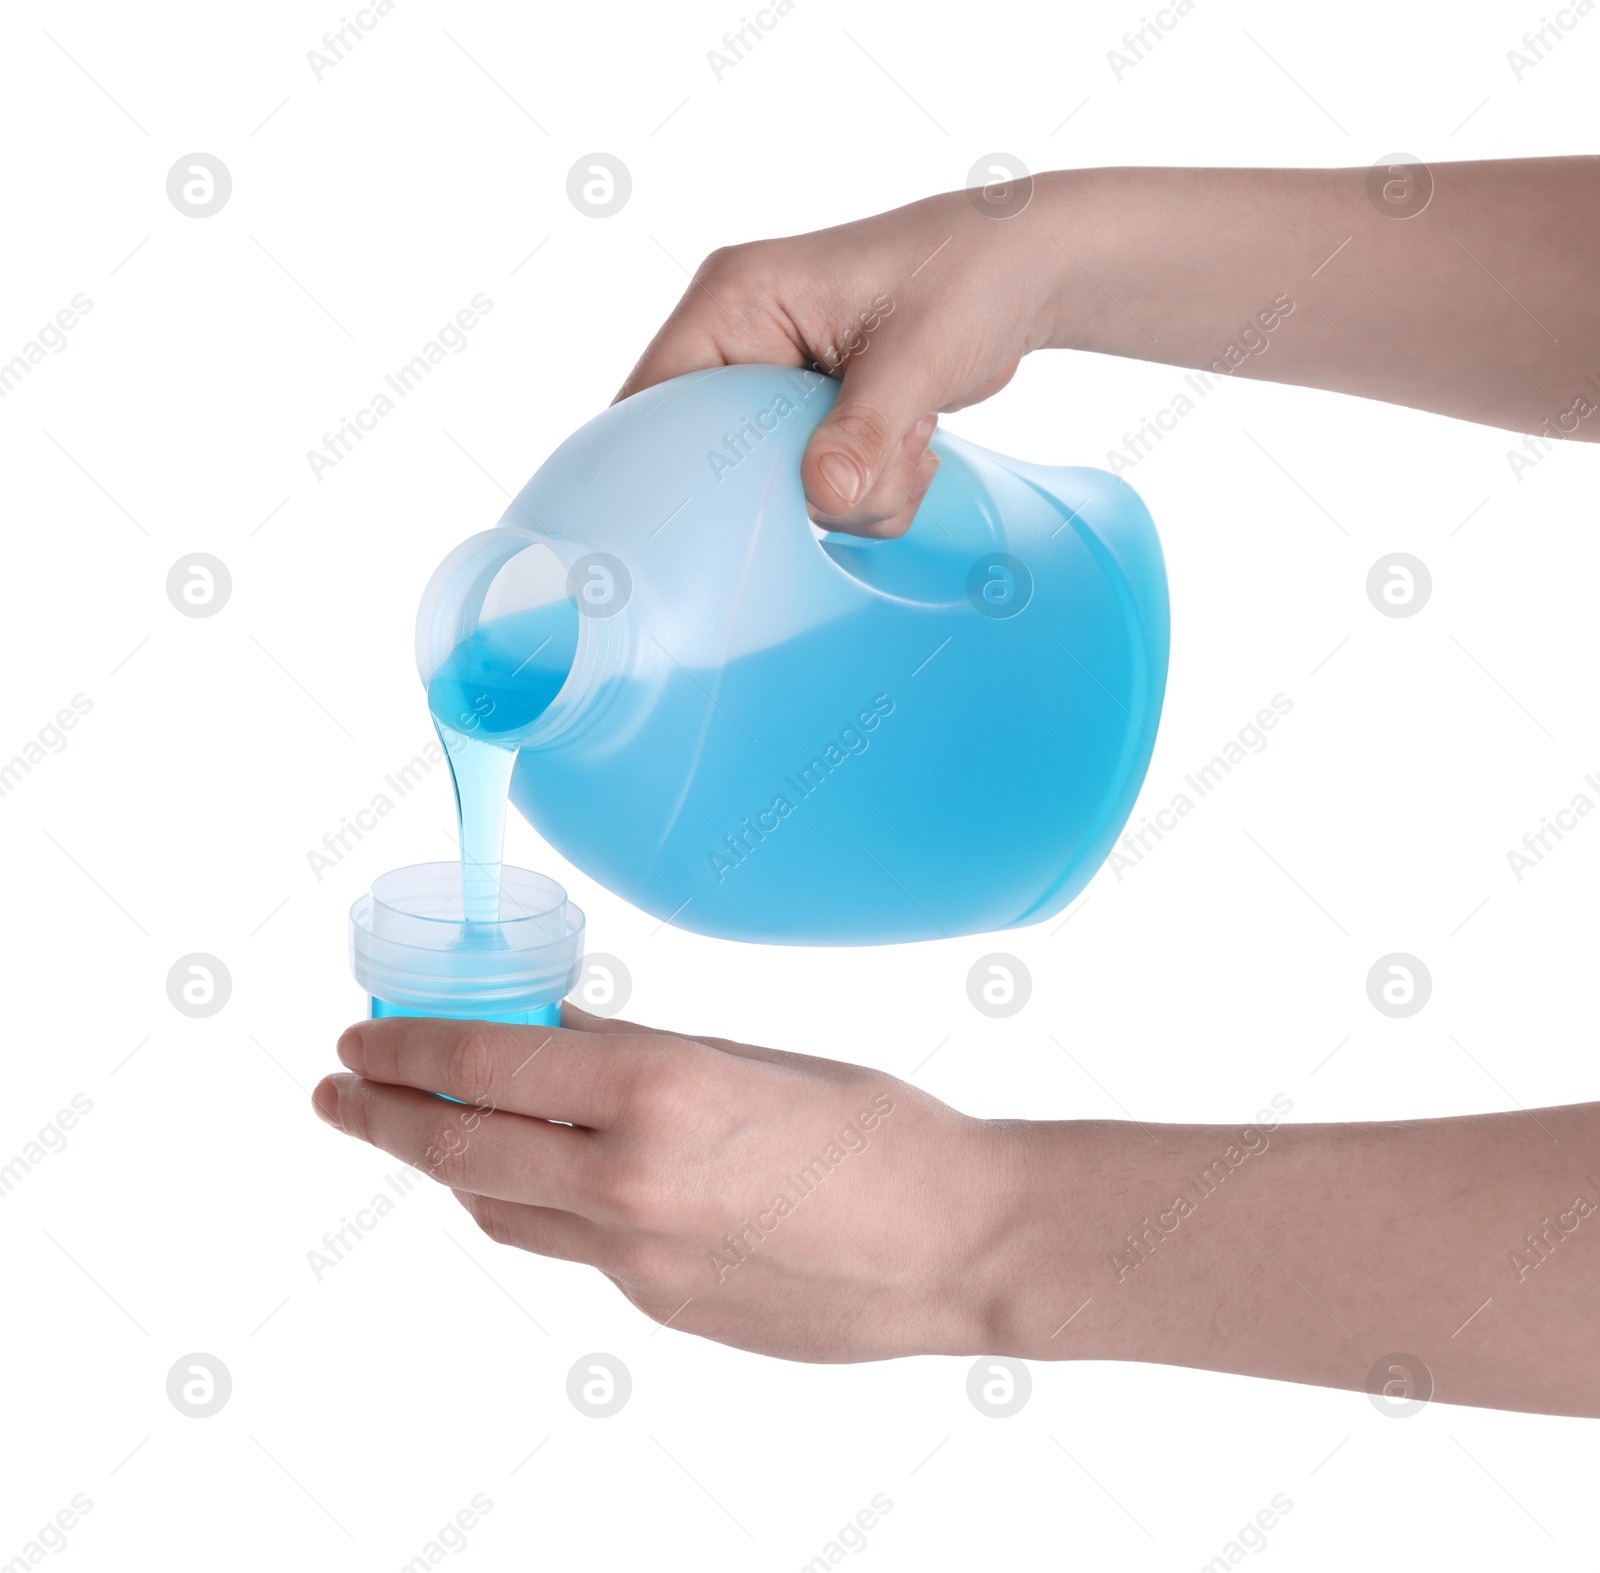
{"points": [[899, 839], [538, 1016], [967, 806], [484, 700]]}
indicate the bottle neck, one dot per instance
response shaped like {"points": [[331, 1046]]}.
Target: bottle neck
{"points": [[602, 658], [500, 573]]}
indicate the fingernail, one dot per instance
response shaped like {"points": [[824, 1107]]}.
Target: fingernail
{"points": [[844, 476], [325, 1100], [350, 1052], [926, 470], [919, 436]]}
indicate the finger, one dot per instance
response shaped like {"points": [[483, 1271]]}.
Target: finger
{"points": [[552, 1073], [576, 1019], [905, 509], [546, 1231], [572, 1016], [490, 1152], [727, 316], [861, 462]]}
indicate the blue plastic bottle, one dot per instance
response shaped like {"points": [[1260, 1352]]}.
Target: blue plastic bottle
{"points": [[760, 730]]}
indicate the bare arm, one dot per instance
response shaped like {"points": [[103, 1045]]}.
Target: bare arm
{"points": [[1320, 1253], [1483, 304], [820, 1211]]}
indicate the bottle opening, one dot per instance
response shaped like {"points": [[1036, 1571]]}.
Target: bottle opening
{"points": [[497, 636]]}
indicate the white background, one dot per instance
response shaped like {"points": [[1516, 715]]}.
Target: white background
{"points": [[367, 208]]}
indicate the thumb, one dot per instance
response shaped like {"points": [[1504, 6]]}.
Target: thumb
{"points": [[867, 465]]}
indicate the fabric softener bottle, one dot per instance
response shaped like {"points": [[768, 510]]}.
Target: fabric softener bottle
{"points": [[757, 729]]}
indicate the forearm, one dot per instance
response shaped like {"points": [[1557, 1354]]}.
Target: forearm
{"points": [[1310, 1252], [1484, 305]]}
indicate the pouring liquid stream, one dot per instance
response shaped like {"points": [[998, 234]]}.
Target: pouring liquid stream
{"points": [[485, 699]]}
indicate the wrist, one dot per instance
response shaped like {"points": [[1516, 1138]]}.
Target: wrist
{"points": [[1029, 1259], [1081, 239]]}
